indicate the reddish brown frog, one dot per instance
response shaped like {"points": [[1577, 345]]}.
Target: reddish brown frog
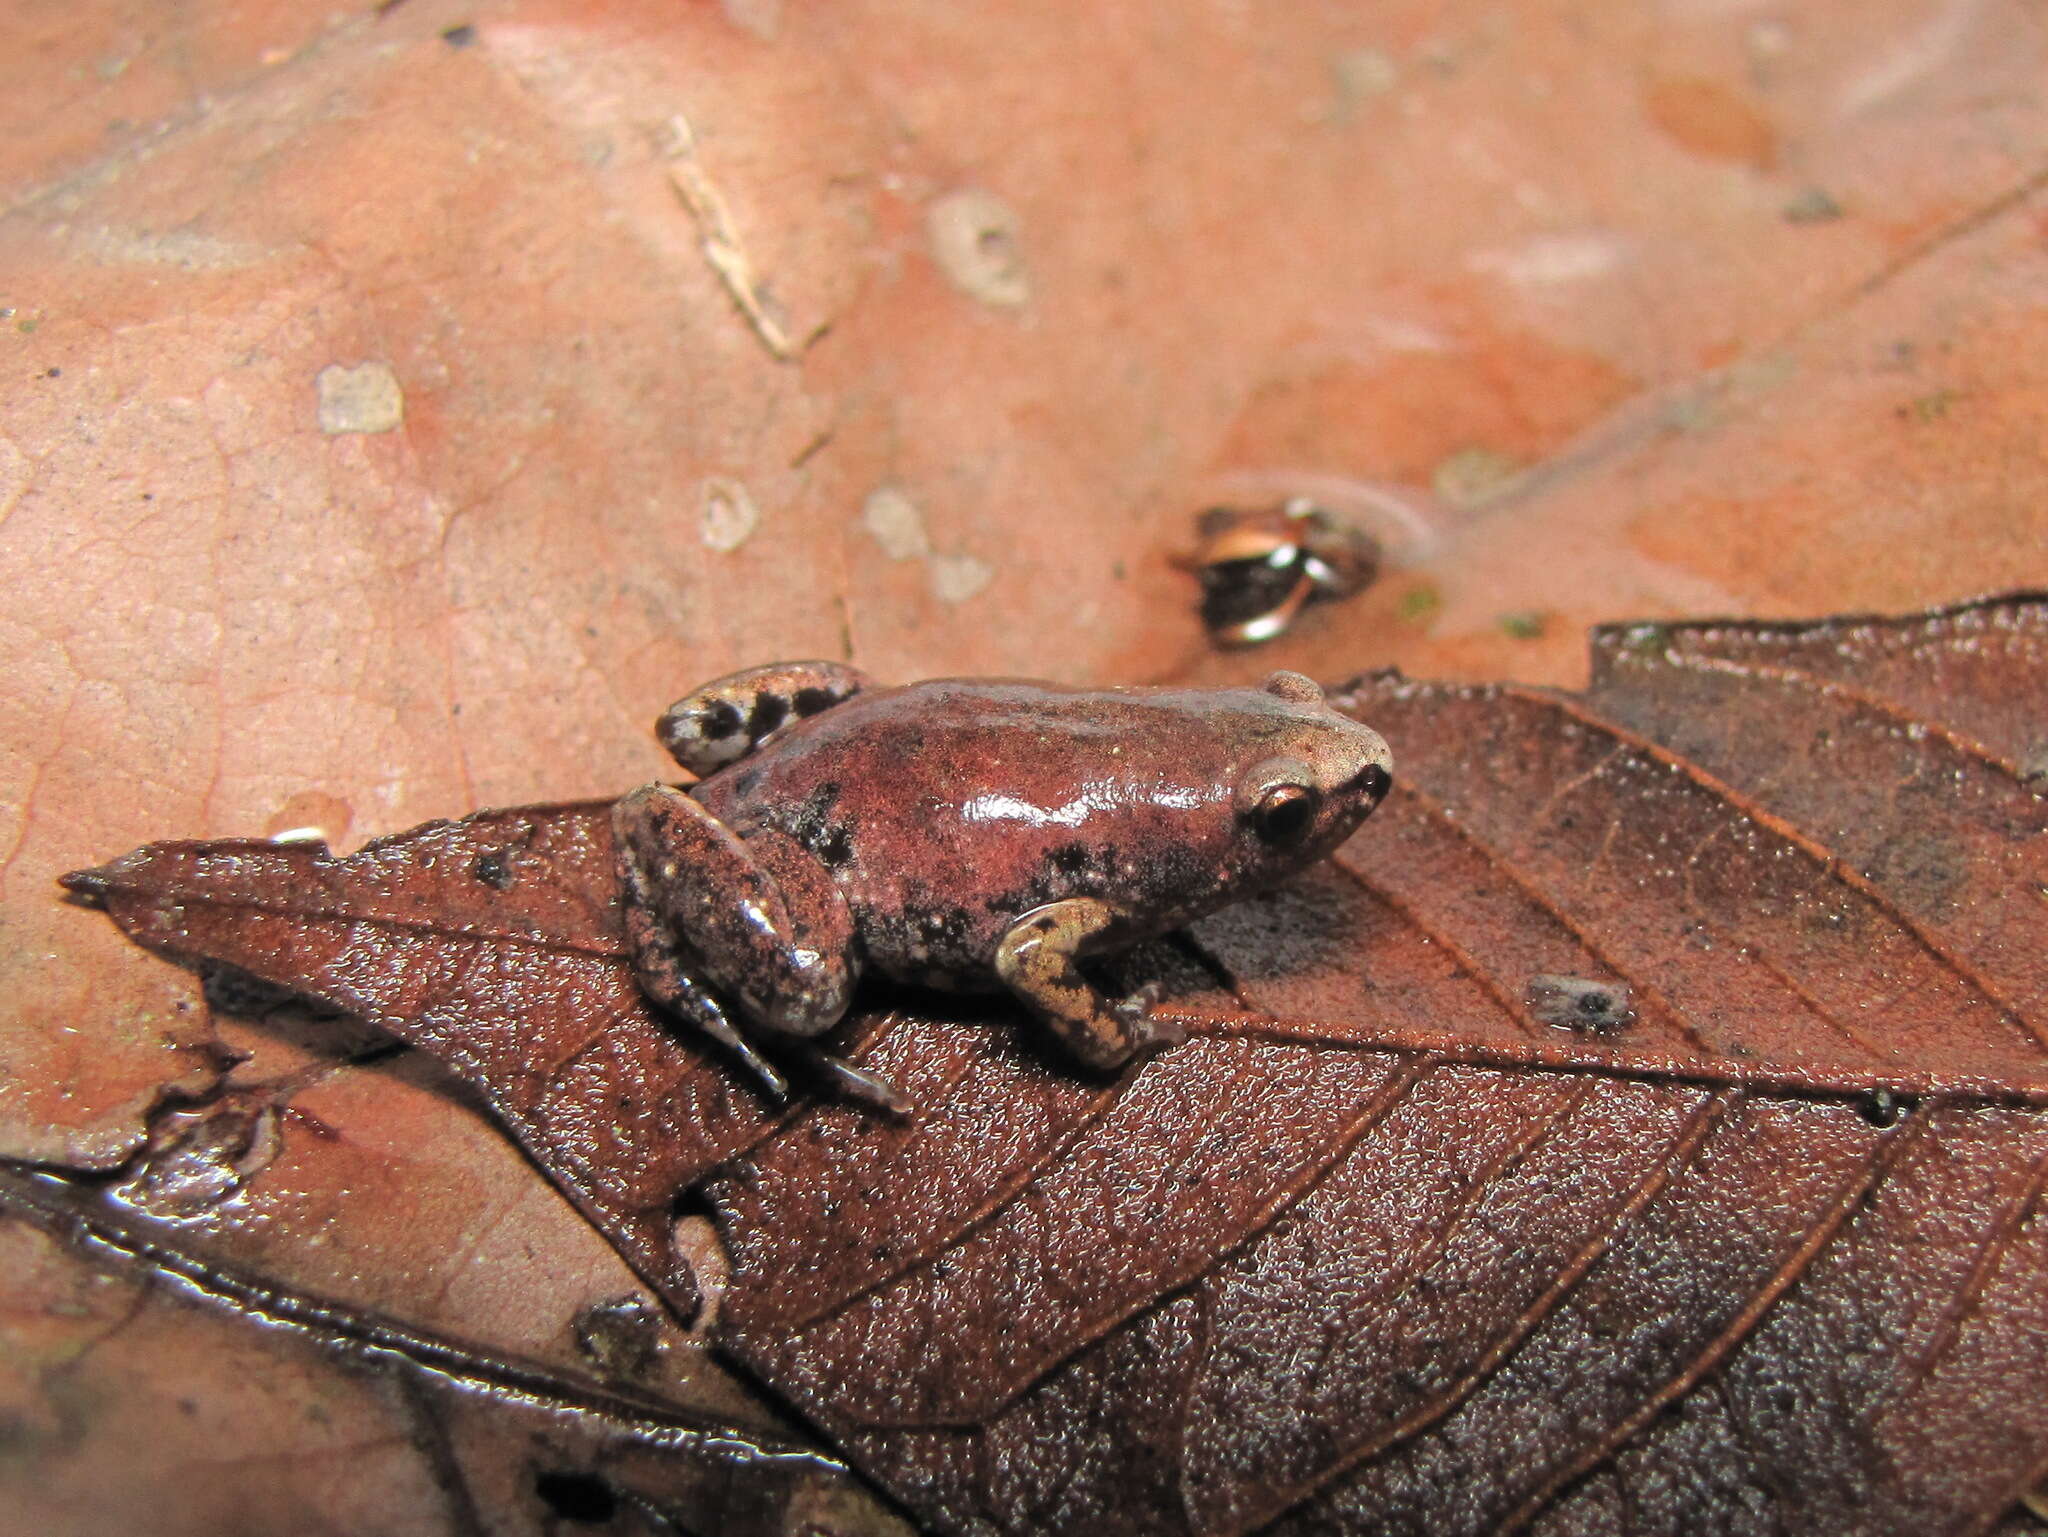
{"points": [[965, 833]]}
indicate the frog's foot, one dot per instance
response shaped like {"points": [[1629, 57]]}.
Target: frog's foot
{"points": [[732, 716], [1038, 960], [667, 982], [858, 1083], [1136, 1013]]}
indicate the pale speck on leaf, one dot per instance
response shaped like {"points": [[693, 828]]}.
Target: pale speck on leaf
{"points": [[362, 399], [956, 578], [1362, 73], [1469, 476], [729, 515], [974, 240], [893, 518]]}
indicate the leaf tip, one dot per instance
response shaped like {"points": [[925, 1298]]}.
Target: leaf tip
{"points": [[87, 888]]}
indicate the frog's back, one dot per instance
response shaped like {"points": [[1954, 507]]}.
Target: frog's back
{"points": [[902, 763], [946, 809]]}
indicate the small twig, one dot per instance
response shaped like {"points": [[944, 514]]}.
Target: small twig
{"points": [[720, 242]]}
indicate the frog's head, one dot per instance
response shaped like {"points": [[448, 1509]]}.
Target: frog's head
{"points": [[1311, 777]]}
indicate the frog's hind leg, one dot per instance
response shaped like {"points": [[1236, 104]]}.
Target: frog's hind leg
{"points": [[757, 918], [732, 716]]}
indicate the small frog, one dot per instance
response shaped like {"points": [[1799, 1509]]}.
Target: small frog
{"points": [[964, 833]]}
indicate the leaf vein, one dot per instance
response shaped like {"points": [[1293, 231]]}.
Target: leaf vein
{"points": [[1753, 810], [1692, 1133], [1818, 1235]]}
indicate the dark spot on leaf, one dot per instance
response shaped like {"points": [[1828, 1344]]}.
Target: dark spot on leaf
{"points": [[620, 1336], [1070, 858], [580, 1497], [1882, 1108], [1579, 1003], [493, 869], [836, 847]]}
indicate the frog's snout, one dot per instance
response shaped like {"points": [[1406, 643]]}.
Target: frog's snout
{"points": [[1363, 765]]}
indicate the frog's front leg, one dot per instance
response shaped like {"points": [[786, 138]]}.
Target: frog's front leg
{"points": [[1038, 961], [728, 718], [757, 917]]}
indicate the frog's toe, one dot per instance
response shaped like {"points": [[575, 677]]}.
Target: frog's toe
{"points": [[773, 1084], [1147, 1033], [858, 1083], [1134, 1007], [1159, 1034], [1147, 994]]}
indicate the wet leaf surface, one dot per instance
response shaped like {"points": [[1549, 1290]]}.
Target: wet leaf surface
{"points": [[1379, 1248], [242, 1407], [392, 421]]}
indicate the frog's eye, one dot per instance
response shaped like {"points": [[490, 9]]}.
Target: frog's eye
{"points": [[1284, 814], [1280, 799]]}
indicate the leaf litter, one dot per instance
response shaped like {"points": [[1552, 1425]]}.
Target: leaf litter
{"points": [[1382, 1247]]}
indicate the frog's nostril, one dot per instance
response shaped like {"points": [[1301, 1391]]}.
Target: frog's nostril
{"points": [[1371, 779]]}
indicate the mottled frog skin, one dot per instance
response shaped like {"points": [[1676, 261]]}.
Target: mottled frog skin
{"points": [[965, 833]]}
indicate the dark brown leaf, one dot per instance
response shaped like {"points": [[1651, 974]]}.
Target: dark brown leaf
{"points": [[493, 943], [1382, 1247]]}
